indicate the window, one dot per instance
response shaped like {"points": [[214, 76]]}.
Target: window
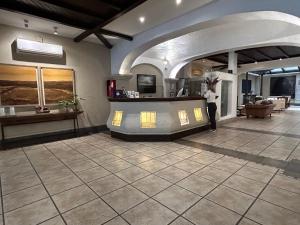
{"points": [[183, 117], [198, 114], [117, 120], [148, 119]]}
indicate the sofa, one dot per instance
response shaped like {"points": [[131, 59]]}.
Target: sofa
{"points": [[259, 110]]}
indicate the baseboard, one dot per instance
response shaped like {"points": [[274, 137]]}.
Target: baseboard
{"points": [[49, 137], [157, 137]]}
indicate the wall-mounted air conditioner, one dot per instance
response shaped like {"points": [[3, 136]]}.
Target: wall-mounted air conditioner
{"points": [[38, 48]]}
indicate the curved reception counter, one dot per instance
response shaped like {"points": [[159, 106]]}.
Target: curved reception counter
{"points": [[156, 119]]}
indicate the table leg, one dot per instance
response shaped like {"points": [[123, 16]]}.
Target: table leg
{"points": [[2, 133]]}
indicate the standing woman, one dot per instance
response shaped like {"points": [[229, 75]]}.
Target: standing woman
{"points": [[211, 97]]}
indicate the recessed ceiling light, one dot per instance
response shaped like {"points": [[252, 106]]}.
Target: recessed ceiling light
{"points": [[280, 59], [142, 19], [178, 2], [55, 31]]}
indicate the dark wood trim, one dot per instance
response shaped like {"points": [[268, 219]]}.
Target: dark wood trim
{"points": [[74, 8], [150, 138], [110, 4], [114, 34], [283, 51], [156, 99], [86, 33], [30, 10], [246, 56], [263, 54], [104, 41]]}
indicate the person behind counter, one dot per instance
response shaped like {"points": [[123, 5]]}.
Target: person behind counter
{"points": [[211, 97]]}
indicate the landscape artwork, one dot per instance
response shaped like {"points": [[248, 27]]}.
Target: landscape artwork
{"points": [[18, 85], [57, 85]]}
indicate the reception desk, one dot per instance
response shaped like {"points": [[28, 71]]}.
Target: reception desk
{"points": [[156, 119]]}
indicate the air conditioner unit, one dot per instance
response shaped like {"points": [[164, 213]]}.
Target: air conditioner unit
{"points": [[38, 48]]}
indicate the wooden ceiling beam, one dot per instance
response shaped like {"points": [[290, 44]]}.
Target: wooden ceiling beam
{"points": [[263, 53], [86, 33], [114, 34], [246, 56], [110, 4], [104, 41], [283, 52], [31, 10], [74, 8]]}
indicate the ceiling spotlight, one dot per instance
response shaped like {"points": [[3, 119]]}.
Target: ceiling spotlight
{"points": [[280, 59], [255, 62], [55, 31], [178, 2], [165, 61], [142, 19], [26, 23]]}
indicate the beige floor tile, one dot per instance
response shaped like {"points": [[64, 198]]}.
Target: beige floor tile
{"points": [[182, 153], [107, 184], [72, 198], [63, 184], [245, 185], [226, 165], [151, 185], [32, 214], [137, 159], [197, 185], [93, 174], [81, 164], [287, 183], [283, 198], [17, 184], [54, 221], [177, 198], [255, 174], [117, 166], [132, 174], [203, 159], [149, 213], [189, 166], [24, 197], [95, 212], [262, 167], [105, 159], [153, 165], [231, 199], [269, 214], [181, 221], [124, 198], [172, 174], [117, 221], [213, 174], [206, 212], [169, 159], [246, 221]]}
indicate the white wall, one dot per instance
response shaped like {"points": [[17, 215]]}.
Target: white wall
{"points": [[131, 84], [91, 63], [297, 96]]}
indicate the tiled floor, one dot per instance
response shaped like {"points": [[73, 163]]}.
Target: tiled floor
{"points": [[98, 180]]}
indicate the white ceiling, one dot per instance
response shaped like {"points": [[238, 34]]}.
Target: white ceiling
{"points": [[156, 12], [153, 10]]}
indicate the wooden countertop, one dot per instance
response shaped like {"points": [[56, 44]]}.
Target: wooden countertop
{"points": [[156, 99]]}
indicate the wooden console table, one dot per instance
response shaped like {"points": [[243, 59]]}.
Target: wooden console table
{"points": [[32, 117]]}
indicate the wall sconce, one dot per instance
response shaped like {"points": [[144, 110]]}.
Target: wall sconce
{"points": [[165, 62]]}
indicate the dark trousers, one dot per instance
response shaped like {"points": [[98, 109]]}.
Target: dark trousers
{"points": [[212, 109]]}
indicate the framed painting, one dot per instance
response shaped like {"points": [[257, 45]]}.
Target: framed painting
{"points": [[58, 85], [18, 85]]}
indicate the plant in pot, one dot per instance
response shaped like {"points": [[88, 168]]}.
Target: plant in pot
{"points": [[70, 105]]}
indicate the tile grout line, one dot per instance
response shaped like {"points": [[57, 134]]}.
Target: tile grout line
{"points": [[257, 197], [1, 197], [172, 184], [100, 197], [202, 197], [44, 186]]}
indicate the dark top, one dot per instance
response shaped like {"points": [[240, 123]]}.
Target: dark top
{"points": [[156, 99]]}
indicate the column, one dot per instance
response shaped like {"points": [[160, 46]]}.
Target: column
{"points": [[233, 68]]}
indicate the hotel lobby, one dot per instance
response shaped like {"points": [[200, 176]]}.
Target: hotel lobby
{"points": [[107, 112]]}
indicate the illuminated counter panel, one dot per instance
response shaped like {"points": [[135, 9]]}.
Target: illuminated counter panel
{"points": [[157, 119]]}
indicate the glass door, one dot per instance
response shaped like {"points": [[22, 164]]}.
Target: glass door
{"points": [[225, 98]]}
